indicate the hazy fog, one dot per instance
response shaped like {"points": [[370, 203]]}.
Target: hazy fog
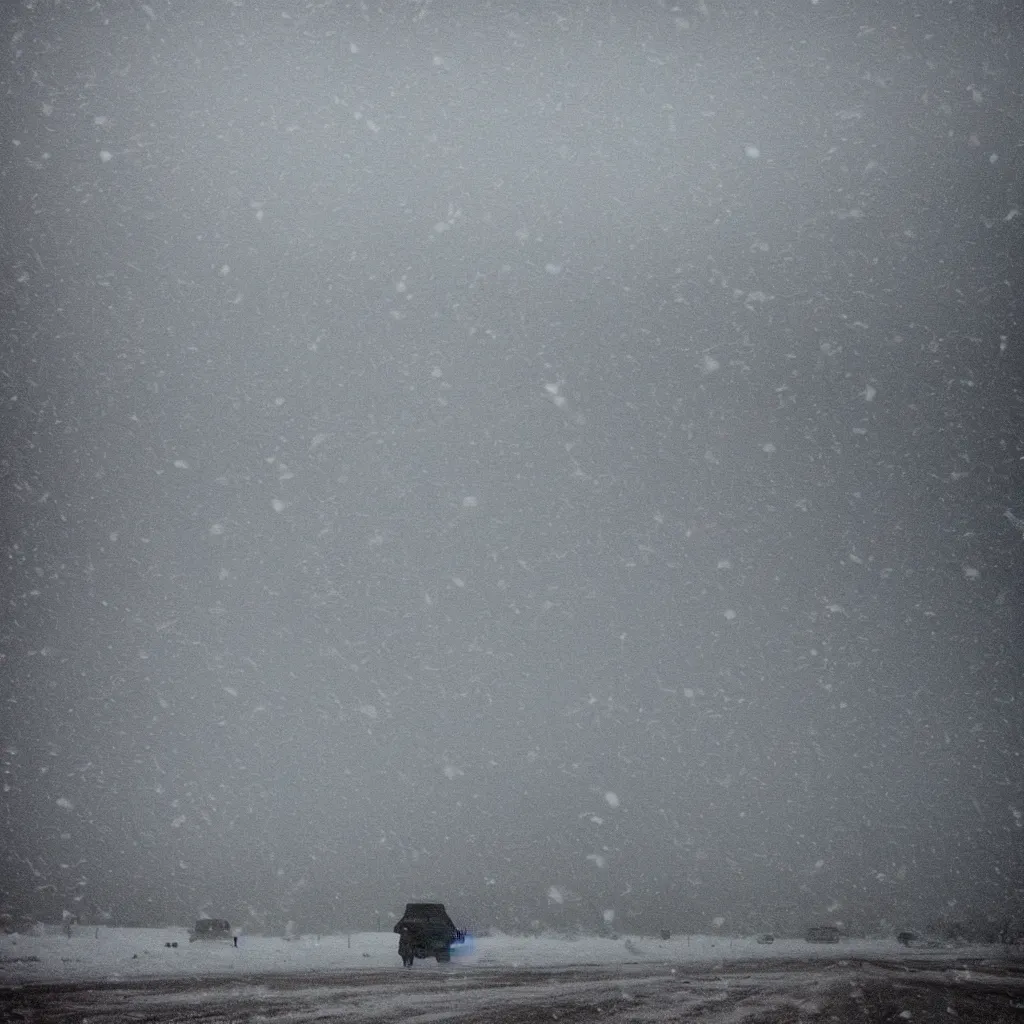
{"points": [[554, 458]]}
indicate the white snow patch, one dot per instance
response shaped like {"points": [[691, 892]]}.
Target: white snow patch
{"points": [[64, 802], [729, 614], [106, 156], [278, 505], [611, 799]]}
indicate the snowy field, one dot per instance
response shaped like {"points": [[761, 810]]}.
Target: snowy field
{"points": [[114, 954], [132, 974]]}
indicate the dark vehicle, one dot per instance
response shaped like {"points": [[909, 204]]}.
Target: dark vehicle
{"points": [[211, 928], [425, 930], [824, 933], [906, 938]]}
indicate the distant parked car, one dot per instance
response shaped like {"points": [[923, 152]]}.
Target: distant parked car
{"points": [[765, 940], [823, 933], [906, 938], [211, 928]]}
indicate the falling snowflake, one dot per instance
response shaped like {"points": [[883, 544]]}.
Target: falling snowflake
{"points": [[559, 399]]}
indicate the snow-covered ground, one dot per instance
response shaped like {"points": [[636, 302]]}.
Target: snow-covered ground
{"points": [[133, 974], [104, 954]]}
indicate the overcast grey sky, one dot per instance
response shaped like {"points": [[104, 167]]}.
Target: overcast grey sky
{"points": [[554, 458]]}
